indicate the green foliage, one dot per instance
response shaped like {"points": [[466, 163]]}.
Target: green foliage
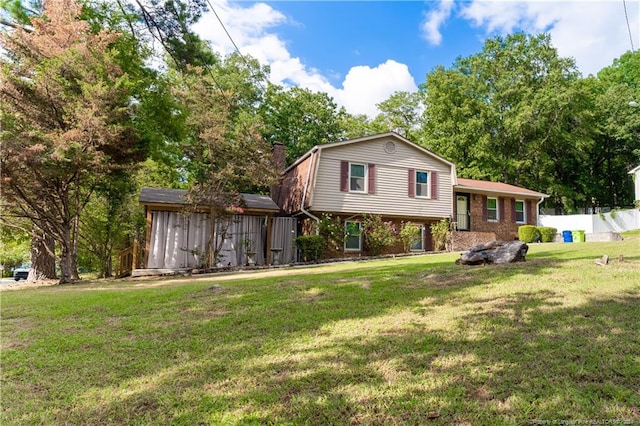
{"points": [[440, 231], [224, 152], [299, 119], [528, 233], [332, 230], [355, 126], [310, 246], [14, 247], [547, 233], [400, 113], [378, 234], [409, 235], [512, 113], [20, 11]]}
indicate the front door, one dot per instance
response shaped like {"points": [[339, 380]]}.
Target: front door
{"points": [[462, 210]]}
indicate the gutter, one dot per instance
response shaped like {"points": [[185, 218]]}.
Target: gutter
{"points": [[304, 191], [538, 211]]}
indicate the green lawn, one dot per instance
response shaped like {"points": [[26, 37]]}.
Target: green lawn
{"points": [[400, 341]]}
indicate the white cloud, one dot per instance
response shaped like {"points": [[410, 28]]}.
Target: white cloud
{"points": [[434, 19], [252, 30], [591, 32], [364, 87]]}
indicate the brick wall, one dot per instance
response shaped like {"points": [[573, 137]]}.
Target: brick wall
{"points": [[464, 240], [308, 227], [506, 228], [287, 194]]}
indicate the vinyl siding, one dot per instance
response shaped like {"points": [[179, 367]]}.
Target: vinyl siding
{"points": [[391, 195]]}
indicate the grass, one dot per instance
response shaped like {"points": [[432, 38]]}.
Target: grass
{"points": [[400, 341]]}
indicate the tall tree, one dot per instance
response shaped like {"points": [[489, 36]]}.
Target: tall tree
{"points": [[616, 131], [401, 113], [169, 22], [300, 119], [355, 126], [503, 114], [225, 152], [66, 122]]}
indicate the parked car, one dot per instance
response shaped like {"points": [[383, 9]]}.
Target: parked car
{"points": [[21, 272]]}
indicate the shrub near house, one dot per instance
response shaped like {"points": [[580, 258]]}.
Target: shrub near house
{"points": [[532, 234], [528, 233]]}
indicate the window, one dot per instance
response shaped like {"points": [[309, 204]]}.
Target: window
{"points": [[492, 209], [417, 246], [422, 184], [357, 177], [352, 236], [520, 216]]}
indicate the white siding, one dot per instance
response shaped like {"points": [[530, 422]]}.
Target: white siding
{"points": [[391, 197]]}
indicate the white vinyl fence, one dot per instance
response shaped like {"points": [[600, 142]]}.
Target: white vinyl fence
{"points": [[614, 221]]}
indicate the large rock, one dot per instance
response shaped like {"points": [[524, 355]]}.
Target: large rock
{"points": [[494, 252]]}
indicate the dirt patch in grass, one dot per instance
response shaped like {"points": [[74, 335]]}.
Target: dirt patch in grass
{"points": [[22, 285]]}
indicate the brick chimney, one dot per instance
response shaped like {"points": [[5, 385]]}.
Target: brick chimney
{"points": [[278, 157]]}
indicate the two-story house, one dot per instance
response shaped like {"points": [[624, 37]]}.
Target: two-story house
{"points": [[390, 176]]}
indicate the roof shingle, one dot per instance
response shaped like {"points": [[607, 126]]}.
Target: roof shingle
{"points": [[486, 186]]}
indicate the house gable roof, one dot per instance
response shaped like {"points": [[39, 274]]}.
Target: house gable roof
{"points": [[496, 187], [634, 170], [371, 138], [177, 197]]}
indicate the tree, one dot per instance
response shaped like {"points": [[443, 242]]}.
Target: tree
{"points": [[225, 152], [66, 122], [508, 113], [355, 126], [401, 113], [18, 13], [299, 119], [14, 247], [616, 131]]}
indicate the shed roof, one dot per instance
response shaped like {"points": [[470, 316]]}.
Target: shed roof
{"points": [[498, 187], [177, 197]]}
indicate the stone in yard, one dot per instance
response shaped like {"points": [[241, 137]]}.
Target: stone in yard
{"points": [[494, 252]]}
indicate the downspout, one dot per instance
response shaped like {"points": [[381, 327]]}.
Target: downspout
{"points": [[538, 211], [304, 191]]}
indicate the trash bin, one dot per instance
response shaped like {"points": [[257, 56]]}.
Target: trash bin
{"points": [[567, 236], [578, 236]]}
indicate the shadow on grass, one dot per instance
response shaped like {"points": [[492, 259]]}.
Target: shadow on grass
{"points": [[518, 360], [383, 345]]}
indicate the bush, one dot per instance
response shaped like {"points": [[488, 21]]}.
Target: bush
{"points": [[378, 235], [547, 233], [439, 231], [409, 234], [528, 233], [332, 230], [310, 246]]}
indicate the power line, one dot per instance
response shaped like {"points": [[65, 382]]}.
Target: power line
{"points": [[234, 43], [624, 3]]}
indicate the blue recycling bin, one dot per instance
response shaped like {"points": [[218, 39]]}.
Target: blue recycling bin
{"points": [[567, 236]]}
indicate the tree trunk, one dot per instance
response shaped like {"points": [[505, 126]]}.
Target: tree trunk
{"points": [[43, 262], [66, 260], [73, 250]]}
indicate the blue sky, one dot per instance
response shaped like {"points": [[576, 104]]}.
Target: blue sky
{"points": [[360, 52]]}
